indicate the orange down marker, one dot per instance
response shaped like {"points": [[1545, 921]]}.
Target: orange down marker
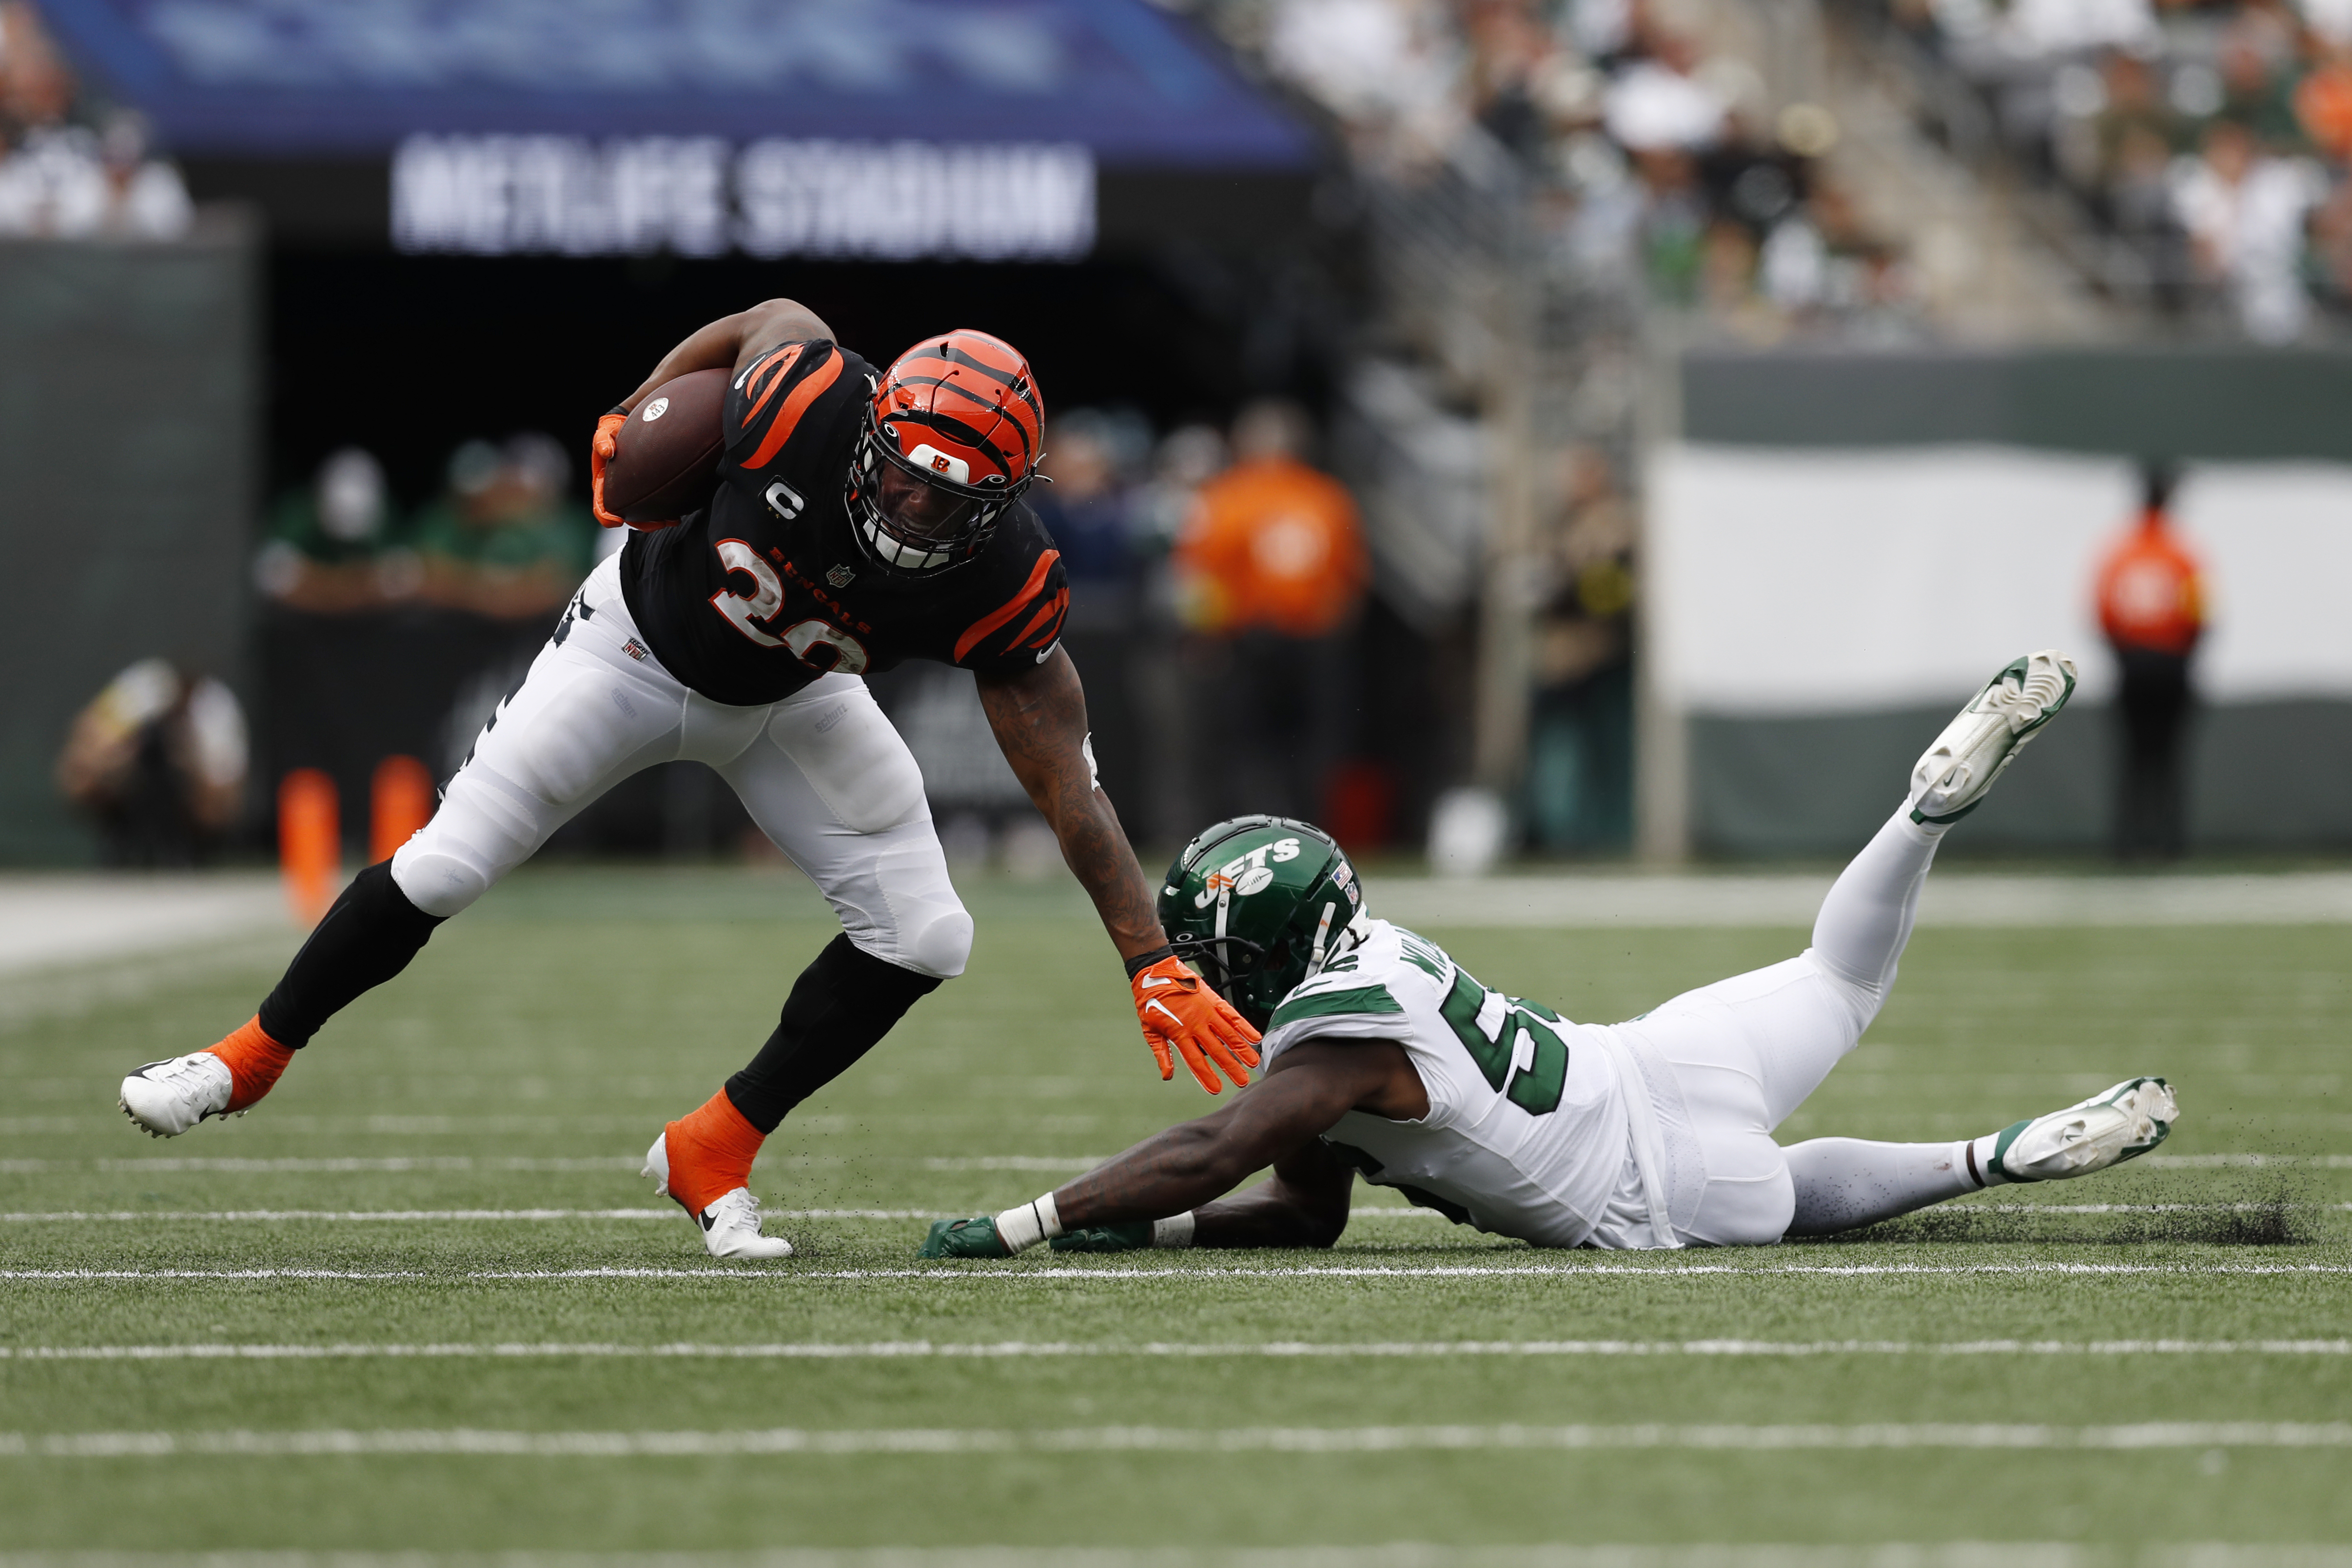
{"points": [[399, 802], [310, 842]]}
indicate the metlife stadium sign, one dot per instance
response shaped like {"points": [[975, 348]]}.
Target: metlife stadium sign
{"points": [[700, 195]]}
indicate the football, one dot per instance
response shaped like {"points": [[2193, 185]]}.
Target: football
{"points": [[665, 461]]}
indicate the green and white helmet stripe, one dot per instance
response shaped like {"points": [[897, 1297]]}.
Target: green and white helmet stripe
{"points": [[1256, 904]]}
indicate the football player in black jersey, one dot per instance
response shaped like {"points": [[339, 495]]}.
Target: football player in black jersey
{"points": [[861, 519]]}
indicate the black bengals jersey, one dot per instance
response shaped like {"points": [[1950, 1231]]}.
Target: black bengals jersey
{"points": [[766, 589]]}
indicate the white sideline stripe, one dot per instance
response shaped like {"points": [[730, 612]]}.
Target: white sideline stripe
{"points": [[1176, 1439], [1277, 1350], [950, 1274], [1791, 900]]}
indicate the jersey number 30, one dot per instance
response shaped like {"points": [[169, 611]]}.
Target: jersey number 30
{"points": [[1524, 1048], [847, 654]]}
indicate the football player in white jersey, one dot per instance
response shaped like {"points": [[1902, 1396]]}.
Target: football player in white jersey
{"points": [[1384, 1056]]}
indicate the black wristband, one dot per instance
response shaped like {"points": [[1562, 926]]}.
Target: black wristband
{"points": [[616, 408], [1143, 961]]}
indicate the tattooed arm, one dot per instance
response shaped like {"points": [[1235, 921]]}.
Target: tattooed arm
{"points": [[1040, 719], [1304, 1202]]}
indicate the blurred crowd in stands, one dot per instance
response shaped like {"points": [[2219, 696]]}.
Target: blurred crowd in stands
{"points": [[506, 540], [1216, 583], [1217, 579], [2215, 136], [71, 167], [1652, 155]]}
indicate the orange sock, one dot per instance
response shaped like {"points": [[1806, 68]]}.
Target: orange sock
{"points": [[710, 1153], [254, 1060]]}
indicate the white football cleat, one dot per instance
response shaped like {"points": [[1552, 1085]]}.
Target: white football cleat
{"points": [[165, 1099], [2106, 1130], [731, 1227], [1950, 781]]}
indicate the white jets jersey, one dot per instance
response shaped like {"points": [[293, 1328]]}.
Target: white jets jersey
{"points": [[1528, 1132]]}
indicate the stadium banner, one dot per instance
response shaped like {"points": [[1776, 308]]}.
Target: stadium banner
{"points": [[567, 196], [1820, 612], [325, 79]]}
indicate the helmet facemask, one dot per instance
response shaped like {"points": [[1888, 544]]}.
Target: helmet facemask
{"points": [[917, 521], [948, 441]]}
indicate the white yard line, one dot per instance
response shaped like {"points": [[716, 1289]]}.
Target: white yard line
{"points": [[520, 1216], [1176, 1439], [172, 1164], [990, 1275], [97, 1216], [168, 1165], [1375, 1212], [2215, 1161], [1277, 1350], [1407, 1554]]}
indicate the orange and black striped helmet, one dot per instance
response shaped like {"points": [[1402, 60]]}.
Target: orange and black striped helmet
{"points": [[950, 440]]}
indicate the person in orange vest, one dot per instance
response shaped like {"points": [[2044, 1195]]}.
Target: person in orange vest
{"points": [[2152, 609], [1270, 570]]}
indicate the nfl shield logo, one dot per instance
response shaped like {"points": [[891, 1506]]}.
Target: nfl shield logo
{"points": [[839, 576]]}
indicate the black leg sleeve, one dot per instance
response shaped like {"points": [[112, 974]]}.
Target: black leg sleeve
{"points": [[840, 1006], [369, 935]]}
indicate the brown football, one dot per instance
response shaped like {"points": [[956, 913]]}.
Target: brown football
{"points": [[664, 462]]}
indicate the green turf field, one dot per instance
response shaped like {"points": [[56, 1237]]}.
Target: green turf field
{"points": [[474, 1332]]}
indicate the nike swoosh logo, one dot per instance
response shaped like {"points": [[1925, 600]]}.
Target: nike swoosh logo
{"points": [[1163, 1006], [1149, 980]]}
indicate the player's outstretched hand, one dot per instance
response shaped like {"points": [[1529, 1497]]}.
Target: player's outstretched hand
{"points": [[973, 1237], [1180, 1014], [599, 452], [1131, 1238]]}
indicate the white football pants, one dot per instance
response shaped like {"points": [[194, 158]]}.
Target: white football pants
{"points": [[821, 772], [1747, 1051]]}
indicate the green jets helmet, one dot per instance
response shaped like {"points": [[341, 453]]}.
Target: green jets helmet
{"points": [[1256, 904]]}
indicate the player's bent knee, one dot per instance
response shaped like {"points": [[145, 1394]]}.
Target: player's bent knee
{"points": [[940, 947], [439, 884], [474, 839]]}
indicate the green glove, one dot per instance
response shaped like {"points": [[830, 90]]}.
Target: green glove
{"points": [[1129, 1237], [973, 1237]]}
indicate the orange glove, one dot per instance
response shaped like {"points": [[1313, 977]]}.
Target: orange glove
{"points": [[599, 452], [1177, 1008]]}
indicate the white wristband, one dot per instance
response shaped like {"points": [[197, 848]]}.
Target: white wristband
{"points": [[1174, 1231], [1023, 1227]]}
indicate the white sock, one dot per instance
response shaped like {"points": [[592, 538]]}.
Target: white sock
{"points": [[1025, 1226], [1845, 1183], [1176, 1230], [1867, 919]]}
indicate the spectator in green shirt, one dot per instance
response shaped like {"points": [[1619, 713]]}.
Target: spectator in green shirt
{"points": [[506, 542], [333, 549]]}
